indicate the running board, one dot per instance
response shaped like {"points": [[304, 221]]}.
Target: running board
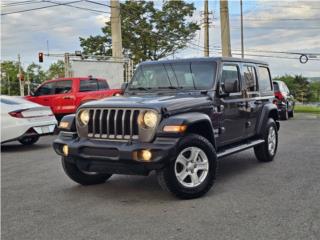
{"points": [[239, 148]]}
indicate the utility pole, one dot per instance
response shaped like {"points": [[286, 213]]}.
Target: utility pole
{"points": [[67, 65], [20, 77], [225, 28], [116, 29], [241, 14], [206, 28]]}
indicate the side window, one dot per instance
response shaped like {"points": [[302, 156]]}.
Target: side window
{"points": [[264, 79], [45, 89], [103, 85], [88, 85], [61, 87], [250, 78], [230, 79]]}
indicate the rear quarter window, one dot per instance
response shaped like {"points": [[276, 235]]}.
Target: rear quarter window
{"points": [[88, 85], [264, 79]]}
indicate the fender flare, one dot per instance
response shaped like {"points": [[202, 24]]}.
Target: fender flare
{"points": [[188, 119], [268, 110]]}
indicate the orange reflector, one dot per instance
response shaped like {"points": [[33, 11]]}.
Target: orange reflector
{"points": [[63, 125], [173, 128]]}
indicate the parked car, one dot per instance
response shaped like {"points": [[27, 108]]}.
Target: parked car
{"points": [[177, 117], [283, 99], [65, 95], [24, 121]]}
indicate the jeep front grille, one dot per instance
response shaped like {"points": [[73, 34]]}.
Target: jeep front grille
{"points": [[117, 124]]}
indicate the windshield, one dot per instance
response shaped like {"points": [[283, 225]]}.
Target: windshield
{"points": [[186, 75]]}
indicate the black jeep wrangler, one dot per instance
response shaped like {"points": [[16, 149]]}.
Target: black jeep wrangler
{"points": [[177, 117]]}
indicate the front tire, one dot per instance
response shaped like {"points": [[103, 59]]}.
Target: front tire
{"points": [[192, 172], [266, 151], [29, 140], [83, 178]]}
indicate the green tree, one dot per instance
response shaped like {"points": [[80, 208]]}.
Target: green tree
{"points": [[9, 78], [35, 74], [315, 89], [298, 86], [148, 33], [55, 70]]}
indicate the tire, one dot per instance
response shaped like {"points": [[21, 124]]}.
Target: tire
{"points": [[29, 140], [291, 113], [284, 115], [266, 151], [194, 182], [81, 177]]}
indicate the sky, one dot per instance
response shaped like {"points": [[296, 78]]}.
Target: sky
{"points": [[269, 26]]}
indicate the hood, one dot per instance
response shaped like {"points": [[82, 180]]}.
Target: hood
{"points": [[167, 103]]}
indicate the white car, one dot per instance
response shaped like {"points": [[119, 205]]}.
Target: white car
{"points": [[24, 121]]}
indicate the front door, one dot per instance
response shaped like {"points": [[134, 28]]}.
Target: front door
{"points": [[64, 97], [232, 105]]}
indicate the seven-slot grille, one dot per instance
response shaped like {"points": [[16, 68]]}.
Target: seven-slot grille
{"points": [[113, 123]]}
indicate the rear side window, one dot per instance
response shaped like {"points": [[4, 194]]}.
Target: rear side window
{"points": [[103, 85], [231, 72], [88, 85], [8, 102], [276, 86], [61, 87], [264, 79], [250, 78]]}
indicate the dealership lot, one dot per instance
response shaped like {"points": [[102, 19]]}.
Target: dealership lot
{"points": [[250, 200]]}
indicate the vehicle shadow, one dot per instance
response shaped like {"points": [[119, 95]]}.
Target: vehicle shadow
{"points": [[140, 189], [17, 147]]}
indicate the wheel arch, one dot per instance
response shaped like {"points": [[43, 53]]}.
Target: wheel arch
{"points": [[196, 123], [268, 111]]}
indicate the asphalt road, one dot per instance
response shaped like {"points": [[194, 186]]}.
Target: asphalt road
{"points": [[250, 200]]}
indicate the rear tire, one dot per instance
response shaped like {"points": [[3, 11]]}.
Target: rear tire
{"points": [[291, 113], [192, 172], [266, 151], [284, 115], [29, 140], [81, 177]]}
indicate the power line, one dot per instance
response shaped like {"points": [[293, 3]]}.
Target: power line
{"points": [[56, 4]]}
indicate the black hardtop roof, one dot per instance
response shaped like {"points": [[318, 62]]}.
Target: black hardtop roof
{"points": [[207, 59]]}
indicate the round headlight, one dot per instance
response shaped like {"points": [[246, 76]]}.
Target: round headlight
{"points": [[150, 119], [84, 117], [117, 95]]}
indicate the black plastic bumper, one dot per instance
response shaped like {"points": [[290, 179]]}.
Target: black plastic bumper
{"points": [[105, 156]]}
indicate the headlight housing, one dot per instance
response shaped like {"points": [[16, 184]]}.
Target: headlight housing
{"points": [[84, 117], [149, 119]]}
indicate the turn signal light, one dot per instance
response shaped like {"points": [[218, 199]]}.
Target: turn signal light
{"points": [[175, 128], [63, 125]]}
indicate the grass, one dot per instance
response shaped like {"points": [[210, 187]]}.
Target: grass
{"points": [[307, 109]]}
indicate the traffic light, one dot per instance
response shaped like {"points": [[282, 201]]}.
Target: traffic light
{"points": [[41, 57]]}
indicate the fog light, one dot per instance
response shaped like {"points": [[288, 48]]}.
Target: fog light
{"points": [[65, 150], [63, 125], [145, 155]]}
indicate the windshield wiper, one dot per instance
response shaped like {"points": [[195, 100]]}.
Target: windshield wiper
{"points": [[169, 87], [140, 88]]}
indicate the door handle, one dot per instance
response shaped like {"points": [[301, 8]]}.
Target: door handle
{"points": [[46, 99], [258, 102], [67, 97]]}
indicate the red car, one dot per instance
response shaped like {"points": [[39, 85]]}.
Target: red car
{"points": [[65, 95]]}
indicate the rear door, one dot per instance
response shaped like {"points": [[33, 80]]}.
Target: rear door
{"points": [[232, 105], [253, 103]]}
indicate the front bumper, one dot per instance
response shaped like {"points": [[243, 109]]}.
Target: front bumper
{"points": [[105, 156]]}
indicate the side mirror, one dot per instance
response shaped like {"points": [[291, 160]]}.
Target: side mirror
{"points": [[32, 93], [124, 86]]}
